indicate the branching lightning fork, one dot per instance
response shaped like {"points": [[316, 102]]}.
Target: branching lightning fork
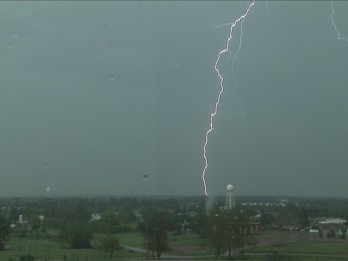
{"points": [[339, 37], [212, 115]]}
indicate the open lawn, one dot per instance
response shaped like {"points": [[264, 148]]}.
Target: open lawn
{"points": [[181, 245], [57, 250], [271, 246], [133, 239], [305, 247], [286, 245], [188, 245]]}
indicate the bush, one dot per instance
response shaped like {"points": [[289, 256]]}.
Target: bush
{"points": [[77, 235], [26, 258], [331, 234], [109, 244]]}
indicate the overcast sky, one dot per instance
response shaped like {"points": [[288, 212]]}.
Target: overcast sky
{"points": [[114, 98]]}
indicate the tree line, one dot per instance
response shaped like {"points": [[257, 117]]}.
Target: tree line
{"points": [[223, 231]]}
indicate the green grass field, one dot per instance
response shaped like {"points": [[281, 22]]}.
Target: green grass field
{"points": [[307, 247], [57, 250], [180, 245], [292, 248], [133, 239]]}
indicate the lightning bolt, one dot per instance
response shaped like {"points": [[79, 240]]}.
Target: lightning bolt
{"points": [[221, 25], [212, 115], [266, 4], [235, 56], [339, 37]]}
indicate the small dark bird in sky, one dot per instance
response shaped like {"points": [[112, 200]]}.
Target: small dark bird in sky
{"points": [[145, 176]]}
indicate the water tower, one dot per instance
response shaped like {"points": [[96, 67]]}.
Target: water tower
{"points": [[230, 204]]}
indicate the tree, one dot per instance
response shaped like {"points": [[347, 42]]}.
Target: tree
{"points": [[302, 216], [156, 226], [267, 219], [331, 233], [77, 235], [4, 231], [240, 232], [26, 258], [75, 212], [219, 231], [13, 214], [35, 223], [228, 231], [109, 244], [126, 214], [200, 224], [109, 223], [320, 233], [283, 217]]}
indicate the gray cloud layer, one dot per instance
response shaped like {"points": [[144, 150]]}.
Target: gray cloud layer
{"points": [[95, 95]]}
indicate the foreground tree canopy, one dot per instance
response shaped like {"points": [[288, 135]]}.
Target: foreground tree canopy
{"points": [[155, 230], [4, 230], [227, 231], [109, 244]]}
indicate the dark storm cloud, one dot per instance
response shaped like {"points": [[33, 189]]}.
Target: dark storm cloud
{"points": [[95, 96]]}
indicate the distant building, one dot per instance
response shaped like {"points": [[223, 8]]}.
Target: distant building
{"points": [[333, 221], [314, 230], [327, 221], [22, 220], [254, 227], [96, 216], [328, 224]]}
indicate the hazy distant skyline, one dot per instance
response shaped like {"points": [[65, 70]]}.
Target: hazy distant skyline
{"points": [[114, 97]]}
